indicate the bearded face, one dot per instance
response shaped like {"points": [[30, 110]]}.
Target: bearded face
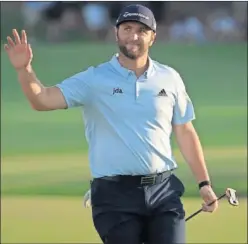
{"points": [[134, 39]]}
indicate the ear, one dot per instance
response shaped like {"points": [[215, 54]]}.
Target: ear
{"points": [[116, 33], [153, 38]]}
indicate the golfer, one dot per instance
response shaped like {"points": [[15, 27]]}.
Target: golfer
{"points": [[131, 105]]}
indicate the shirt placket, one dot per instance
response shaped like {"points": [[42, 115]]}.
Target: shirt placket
{"points": [[136, 82]]}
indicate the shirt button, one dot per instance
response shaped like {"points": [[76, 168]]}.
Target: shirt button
{"points": [[130, 73]]}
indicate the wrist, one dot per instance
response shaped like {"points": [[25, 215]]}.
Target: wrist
{"points": [[204, 183]]}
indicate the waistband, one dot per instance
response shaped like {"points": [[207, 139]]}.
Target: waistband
{"points": [[139, 180]]}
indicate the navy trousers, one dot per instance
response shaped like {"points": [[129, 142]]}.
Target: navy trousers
{"points": [[127, 214]]}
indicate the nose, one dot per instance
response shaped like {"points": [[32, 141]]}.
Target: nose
{"points": [[134, 36]]}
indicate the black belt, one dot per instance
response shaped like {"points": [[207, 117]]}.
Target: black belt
{"points": [[140, 180]]}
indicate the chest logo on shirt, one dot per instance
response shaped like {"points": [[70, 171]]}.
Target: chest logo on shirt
{"points": [[162, 93], [117, 90]]}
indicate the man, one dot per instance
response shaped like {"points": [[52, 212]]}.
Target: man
{"points": [[131, 104]]}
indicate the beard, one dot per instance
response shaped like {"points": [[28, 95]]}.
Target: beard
{"points": [[131, 54]]}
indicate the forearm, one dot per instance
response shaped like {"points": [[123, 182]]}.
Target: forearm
{"points": [[192, 152], [32, 87]]}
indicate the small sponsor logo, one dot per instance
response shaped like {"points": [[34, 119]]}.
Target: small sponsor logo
{"points": [[127, 14], [117, 90], [162, 93]]}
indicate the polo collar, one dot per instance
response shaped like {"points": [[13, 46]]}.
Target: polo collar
{"points": [[126, 72]]}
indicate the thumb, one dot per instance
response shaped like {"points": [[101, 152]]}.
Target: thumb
{"points": [[29, 49], [6, 48]]}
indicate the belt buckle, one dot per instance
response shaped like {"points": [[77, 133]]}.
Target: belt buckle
{"points": [[148, 180]]}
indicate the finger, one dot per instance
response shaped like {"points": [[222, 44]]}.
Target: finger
{"points": [[30, 50], [88, 204], [17, 37], [24, 37], [6, 47], [204, 207], [209, 197], [10, 42], [207, 209], [215, 206], [210, 201], [210, 209]]}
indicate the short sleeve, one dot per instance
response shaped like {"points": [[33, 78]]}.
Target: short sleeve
{"points": [[183, 110], [76, 89]]}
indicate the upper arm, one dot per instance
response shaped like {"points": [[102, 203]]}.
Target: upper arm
{"points": [[182, 133], [54, 99], [180, 129], [183, 110], [71, 92], [74, 91]]}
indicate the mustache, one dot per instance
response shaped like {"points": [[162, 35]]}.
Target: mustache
{"points": [[138, 44]]}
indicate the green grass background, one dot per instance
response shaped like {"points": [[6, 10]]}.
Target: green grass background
{"points": [[45, 168]]}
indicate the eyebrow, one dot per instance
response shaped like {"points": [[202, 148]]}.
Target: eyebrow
{"points": [[145, 27]]}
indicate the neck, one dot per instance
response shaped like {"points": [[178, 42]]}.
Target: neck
{"points": [[139, 65]]}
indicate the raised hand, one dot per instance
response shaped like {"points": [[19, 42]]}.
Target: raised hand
{"points": [[19, 51]]}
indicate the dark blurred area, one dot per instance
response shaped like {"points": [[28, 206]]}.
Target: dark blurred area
{"points": [[56, 21]]}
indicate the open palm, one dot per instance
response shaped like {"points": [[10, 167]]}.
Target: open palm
{"points": [[18, 50]]}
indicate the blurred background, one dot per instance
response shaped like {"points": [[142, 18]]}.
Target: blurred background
{"points": [[45, 171], [197, 22]]}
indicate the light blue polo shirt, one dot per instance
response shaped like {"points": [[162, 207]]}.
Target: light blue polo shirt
{"points": [[128, 121]]}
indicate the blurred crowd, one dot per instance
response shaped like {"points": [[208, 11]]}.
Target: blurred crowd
{"points": [[198, 22]]}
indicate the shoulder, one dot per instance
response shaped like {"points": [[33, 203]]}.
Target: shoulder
{"points": [[165, 69], [101, 71], [92, 72], [103, 68], [84, 75], [169, 72]]}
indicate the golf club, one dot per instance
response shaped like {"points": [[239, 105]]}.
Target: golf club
{"points": [[231, 196]]}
